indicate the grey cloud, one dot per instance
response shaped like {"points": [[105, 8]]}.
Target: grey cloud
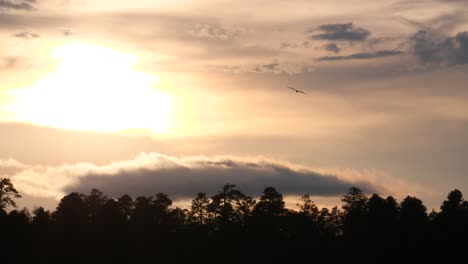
{"points": [[332, 47], [431, 48], [68, 32], [8, 63], [285, 45], [17, 4], [225, 68], [212, 31], [26, 35], [185, 179], [14, 63], [271, 67], [304, 44], [276, 67], [362, 56], [340, 32]]}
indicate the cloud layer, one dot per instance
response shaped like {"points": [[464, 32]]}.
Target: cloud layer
{"points": [[181, 178]]}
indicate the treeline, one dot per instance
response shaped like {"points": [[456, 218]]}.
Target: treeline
{"points": [[232, 227]]}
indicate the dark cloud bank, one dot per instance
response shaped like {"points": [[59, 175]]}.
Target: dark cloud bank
{"points": [[430, 48], [208, 175], [350, 33]]}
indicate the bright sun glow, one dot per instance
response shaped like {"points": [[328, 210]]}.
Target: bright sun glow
{"points": [[94, 88]]}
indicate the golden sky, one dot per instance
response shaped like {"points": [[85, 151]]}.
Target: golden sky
{"points": [[95, 83]]}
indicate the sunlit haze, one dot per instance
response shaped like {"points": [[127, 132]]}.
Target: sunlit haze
{"points": [[94, 88]]}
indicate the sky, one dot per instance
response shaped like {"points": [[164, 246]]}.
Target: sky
{"points": [[153, 96]]}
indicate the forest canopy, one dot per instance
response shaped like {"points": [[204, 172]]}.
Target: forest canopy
{"points": [[233, 225]]}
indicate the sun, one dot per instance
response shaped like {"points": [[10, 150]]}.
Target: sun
{"points": [[94, 88]]}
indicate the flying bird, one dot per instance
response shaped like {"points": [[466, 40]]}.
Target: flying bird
{"points": [[297, 91]]}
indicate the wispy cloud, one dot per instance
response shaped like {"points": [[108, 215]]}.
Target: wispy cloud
{"points": [[362, 56], [26, 35]]}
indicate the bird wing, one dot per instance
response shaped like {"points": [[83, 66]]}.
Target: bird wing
{"points": [[292, 88], [301, 92]]}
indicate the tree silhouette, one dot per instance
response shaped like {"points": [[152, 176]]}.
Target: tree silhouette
{"points": [[355, 216], [41, 226], [71, 220], [177, 218], [225, 206], [110, 216], [72, 213], [271, 204], [308, 207], [199, 209], [453, 203], [245, 205], [142, 215], [230, 226], [383, 220], [160, 206], [41, 218], [451, 226], [95, 201], [329, 221], [7, 193], [15, 234], [413, 222], [267, 214], [125, 203]]}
